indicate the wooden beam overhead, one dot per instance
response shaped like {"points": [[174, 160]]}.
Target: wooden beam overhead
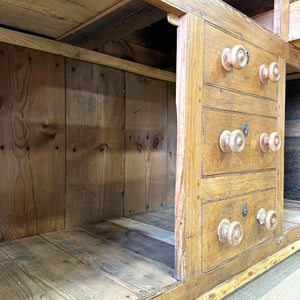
{"points": [[43, 44], [124, 19]]}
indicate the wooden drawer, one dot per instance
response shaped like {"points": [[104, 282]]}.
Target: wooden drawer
{"points": [[247, 79], [251, 158], [214, 252]]}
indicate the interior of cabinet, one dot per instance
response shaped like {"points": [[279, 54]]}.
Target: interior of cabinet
{"points": [[292, 152], [88, 154]]}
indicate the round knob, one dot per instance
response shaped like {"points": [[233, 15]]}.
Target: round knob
{"points": [[269, 219], [272, 142], [234, 141], [230, 232], [237, 58], [263, 74], [272, 72]]}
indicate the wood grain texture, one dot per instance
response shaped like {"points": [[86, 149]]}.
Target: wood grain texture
{"points": [[294, 31], [224, 99], [50, 18], [95, 143], [172, 143], [137, 274], [246, 79], [127, 18], [239, 280], [32, 142], [251, 158], [230, 185], [136, 242], [214, 252], [38, 43], [15, 284], [146, 134], [281, 19], [61, 275]]}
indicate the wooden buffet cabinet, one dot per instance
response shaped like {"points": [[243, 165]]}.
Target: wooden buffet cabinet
{"points": [[189, 192]]}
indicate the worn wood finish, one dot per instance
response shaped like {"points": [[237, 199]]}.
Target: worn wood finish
{"points": [[251, 158], [128, 269], [95, 143], [147, 229], [239, 280], [146, 133], [224, 99], [230, 185], [59, 273], [247, 79], [38, 43], [15, 284], [32, 142], [214, 252], [50, 18], [125, 19], [172, 143], [281, 18], [136, 242]]}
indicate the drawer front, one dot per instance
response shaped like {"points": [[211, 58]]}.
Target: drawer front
{"points": [[215, 252], [246, 79], [251, 158]]}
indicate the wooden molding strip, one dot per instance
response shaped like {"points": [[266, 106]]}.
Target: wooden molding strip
{"points": [[231, 285], [55, 47]]}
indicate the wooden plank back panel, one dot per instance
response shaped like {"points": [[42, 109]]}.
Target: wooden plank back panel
{"points": [[251, 158], [95, 142], [247, 79], [146, 161], [32, 142]]}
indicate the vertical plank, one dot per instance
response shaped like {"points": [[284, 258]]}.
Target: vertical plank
{"points": [[181, 105], [145, 144], [32, 142], [281, 18], [172, 142], [280, 154], [95, 142], [194, 149]]}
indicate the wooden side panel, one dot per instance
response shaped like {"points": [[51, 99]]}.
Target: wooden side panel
{"points": [[95, 142], [247, 79], [172, 142], [32, 142], [146, 144], [251, 158]]}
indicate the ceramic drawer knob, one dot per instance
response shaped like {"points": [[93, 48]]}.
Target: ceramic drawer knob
{"points": [[234, 141], [230, 232], [237, 58], [269, 219], [272, 142], [272, 72]]}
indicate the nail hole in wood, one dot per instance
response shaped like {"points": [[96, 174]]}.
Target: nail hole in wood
{"points": [[74, 149]]}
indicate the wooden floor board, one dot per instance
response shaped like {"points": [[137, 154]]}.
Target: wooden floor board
{"points": [[136, 273], [148, 230], [163, 219], [15, 284], [135, 241], [291, 215], [61, 275]]}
